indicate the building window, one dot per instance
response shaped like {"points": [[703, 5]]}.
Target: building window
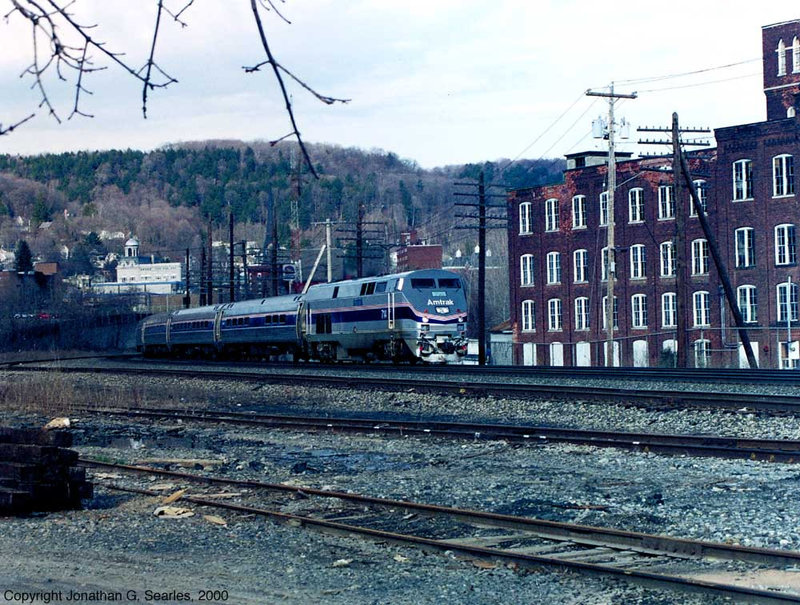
{"points": [[604, 265], [604, 208], [702, 309], [745, 248], [787, 302], [524, 218], [579, 212], [782, 175], [666, 202], [668, 259], [639, 310], [781, 50], [638, 261], [580, 263], [554, 314], [582, 313], [528, 316], [526, 270], [748, 304], [796, 55], [743, 180], [551, 215], [700, 257], [636, 205], [701, 187], [669, 310], [615, 313], [702, 353], [553, 267], [785, 247]]}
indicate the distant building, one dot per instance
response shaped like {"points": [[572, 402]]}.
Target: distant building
{"points": [[136, 273], [558, 261]]}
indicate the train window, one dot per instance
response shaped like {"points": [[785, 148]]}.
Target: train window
{"points": [[380, 287], [450, 282], [367, 288], [267, 320], [282, 319], [335, 292], [422, 283]]}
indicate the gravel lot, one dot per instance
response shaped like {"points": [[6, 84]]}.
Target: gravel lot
{"points": [[119, 545]]}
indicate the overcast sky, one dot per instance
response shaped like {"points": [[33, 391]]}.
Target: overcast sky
{"points": [[437, 81]]}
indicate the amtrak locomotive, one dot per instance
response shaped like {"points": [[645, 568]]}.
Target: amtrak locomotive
{"points": [[412, 316]]}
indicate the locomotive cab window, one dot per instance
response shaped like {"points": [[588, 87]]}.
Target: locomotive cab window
{"points": [[335, 292], [423, 283], [367, 288], [452, 283]]}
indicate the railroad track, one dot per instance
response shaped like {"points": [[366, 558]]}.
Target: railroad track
{"points": [[652, 560], [770, 450], [351, 377]]}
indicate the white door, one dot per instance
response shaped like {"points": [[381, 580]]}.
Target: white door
{"points": [[556, 354], [616, 353], [641, 357], [528, 354], [583, 354], [743, 355]]}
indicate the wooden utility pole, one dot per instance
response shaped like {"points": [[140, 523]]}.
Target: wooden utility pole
{"points": [[187, 299], [210, 275], [231, 287], [203, 298], [482, 217], [274, 254], [679, 249], [611, 270]]}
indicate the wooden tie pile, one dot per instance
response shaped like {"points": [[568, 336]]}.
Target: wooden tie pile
{"points": [[38, 472]]}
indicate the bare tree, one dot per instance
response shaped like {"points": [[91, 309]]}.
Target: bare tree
{"points": [[66, 47]]}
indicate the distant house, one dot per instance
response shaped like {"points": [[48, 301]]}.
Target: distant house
{"points": [[136, 273]]}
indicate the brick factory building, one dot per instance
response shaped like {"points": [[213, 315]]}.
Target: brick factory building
{"points": [[558, 234]]}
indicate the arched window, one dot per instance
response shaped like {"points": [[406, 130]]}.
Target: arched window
{"points": [[528, 316], [781, 50], [702, 309], [639, 310], [636, 205], [742, 180], [525, 218], [638, 261], [669, 310], [748, 303], [795, 55], [553, 267], [554, 315], [701, 187], [782, 175], [579, 212], [526, 270], [582, 313], [580, 265], [785, 245], [551, 215]]}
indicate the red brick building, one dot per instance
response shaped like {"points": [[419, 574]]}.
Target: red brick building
{"points": [[558, 233]]}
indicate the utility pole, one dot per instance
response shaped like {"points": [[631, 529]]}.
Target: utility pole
{"points": [[244, 269], [274, 254], [364, 238], [203, 298], [679, 240], [187, 299], [482, 217], [611, 270], [328, 248], [360, 242], [210, 276], [231, 289]]}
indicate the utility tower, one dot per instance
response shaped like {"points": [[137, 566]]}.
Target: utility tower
{"points": [[610, 260]]}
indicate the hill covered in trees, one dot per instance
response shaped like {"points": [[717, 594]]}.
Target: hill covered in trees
{"points": [[166, 196]]}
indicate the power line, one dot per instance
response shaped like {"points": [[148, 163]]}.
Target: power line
{"points": [[688, 73], [701, 83]]}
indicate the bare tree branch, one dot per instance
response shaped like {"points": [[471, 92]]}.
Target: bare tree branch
{"points": [[13, 126]]}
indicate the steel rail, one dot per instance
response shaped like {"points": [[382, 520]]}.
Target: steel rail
{"points": [[661, 398], [645, 543], [769, 450]]}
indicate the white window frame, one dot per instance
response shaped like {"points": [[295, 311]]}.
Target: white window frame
{"points": [[615, 313], [579, 212], [636, 205], [701, 187], [554, 319], [745, 247], [604, 209], [666, 202], [747, 299], [700, 257], [701, 309], [781, 302], [795, 55], [639, 311], [702, 352], [742, 180], [553, 268], [526, 270], [551, 222], [580, 266], [525, 218], [781, 50], [667, 258], [604, 264], [783, 175], [582, 313], [638, 258], [785, 244], [528, 316], [669, 310]]}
